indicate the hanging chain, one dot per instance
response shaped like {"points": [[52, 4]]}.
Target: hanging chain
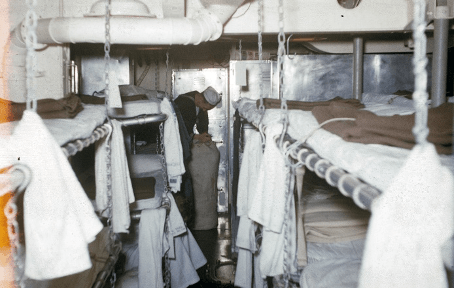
{"points": [[284, 119], [31, 22], [113, 243], [286, 228], [16, 248], [156, 75], [260, 15], [420, 95], [280, 63], [165, 202], [167, 74], [239, 48], [107, 51]]}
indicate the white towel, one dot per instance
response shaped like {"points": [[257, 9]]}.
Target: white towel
{"points": [[271, 185], [59, 219], [189, 258], [176, 225], [272, 250], [122, 192], [250, 166], [410, 222], [245, 242], [172, 144], [176, 222], [243, 274], [152, 247]]}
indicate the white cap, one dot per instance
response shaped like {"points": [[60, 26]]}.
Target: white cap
{"points": [[212, 96]]}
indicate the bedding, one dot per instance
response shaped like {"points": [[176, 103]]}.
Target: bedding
{"points": [[375, 164], [66, 107], [396, 130], [66, 130], [323, 202]]}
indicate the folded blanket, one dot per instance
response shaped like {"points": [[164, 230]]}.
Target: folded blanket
{"points": [[308, 106], [66, 107], [393, 130], [334, 220]]}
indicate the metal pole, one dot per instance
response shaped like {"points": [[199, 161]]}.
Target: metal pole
{"points": [[440, 61], [358, 67]]}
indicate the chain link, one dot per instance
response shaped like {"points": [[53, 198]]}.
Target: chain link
{"points": [[284, 119], [13, 234], [113, 241], [167, 73], [166, 201], [260, 15], [420, 61], [288, 194], [31, 41], [280, 60], [156, 75], [239, 48], [107, 51]]}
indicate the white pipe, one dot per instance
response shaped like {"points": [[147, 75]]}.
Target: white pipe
{"points": [[206, 26]]}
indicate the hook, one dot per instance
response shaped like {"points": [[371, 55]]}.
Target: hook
{"points": [[262, 135], [288, 49], [16, 179]]}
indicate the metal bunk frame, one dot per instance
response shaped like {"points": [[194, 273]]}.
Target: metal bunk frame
{"points": [[18, 176], [135, 215], [349, 185]]}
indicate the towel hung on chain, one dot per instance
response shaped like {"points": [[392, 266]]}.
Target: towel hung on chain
{"points": [[250, 167], [59, 219], [152, 247], [122, 192], [271, 185], [174, 159], [393, 130], [410, 222]]}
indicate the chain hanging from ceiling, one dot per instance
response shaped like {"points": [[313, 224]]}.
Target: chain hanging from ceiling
{"points": [[420, 61], [113, 241]]}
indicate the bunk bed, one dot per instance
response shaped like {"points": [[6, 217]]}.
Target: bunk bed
{"points": [[359, 171], [323, 246], [90, 128]]}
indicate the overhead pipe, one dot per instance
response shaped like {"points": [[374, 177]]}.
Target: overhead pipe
{"points": [[358, 67], [440, 53], [207, 25]]}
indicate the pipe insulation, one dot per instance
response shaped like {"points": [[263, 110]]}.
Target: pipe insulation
{"points": [[129, 30], [205, 25]]}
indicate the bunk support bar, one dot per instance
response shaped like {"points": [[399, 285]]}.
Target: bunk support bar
{"points": [[72, 148], [358, 67], [165, 203], [350, 186], [141, 120]]}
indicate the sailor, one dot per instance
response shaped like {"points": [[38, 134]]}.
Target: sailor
{"points": [[193, 107]]}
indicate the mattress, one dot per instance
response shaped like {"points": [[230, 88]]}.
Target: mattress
{"points": [[67, 130], [375, 164]]}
